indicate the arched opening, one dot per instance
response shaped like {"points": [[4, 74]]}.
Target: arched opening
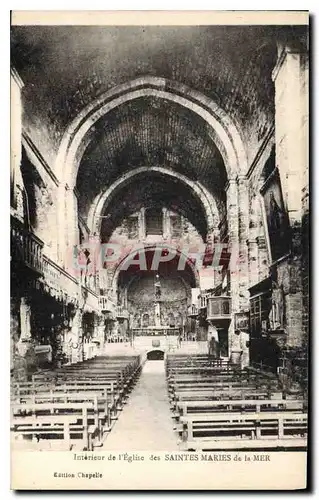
{"points": [[168, 162], [178, 129], [155, 298], [155, 355]]}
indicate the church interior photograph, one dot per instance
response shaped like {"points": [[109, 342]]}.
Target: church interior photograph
{"points": [[159, 222]]}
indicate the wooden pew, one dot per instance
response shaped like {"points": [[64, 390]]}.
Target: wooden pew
{"points": [[104, 411], [112, 389], [237, 405], [236, 431], [217, 386], [193, 381], [92, 376], [221, 395], [76, 403], [68, 421]]}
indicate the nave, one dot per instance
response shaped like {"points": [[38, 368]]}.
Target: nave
{"points": [[159, 202], [187, 402]]}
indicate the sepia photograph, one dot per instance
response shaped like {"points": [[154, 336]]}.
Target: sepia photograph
{"points": [[159, 214]]}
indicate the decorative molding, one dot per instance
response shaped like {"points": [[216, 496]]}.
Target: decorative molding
{"points": [[28, 143], [273, 174], [229, 182], [84, 224], [261, 150], [17, 78], [76, 192], [280, 61]]}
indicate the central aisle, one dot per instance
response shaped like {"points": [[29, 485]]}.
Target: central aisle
{"points": [[145, 422]]}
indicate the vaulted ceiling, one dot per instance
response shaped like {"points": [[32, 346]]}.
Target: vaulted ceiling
{"points": [[66, 67], [149, 132], [165, 270], [149, 191]]}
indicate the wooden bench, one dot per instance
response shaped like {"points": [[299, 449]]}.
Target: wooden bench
{"points": [[237, 405], [235, 431], [101, 383], [112, 383], [221, 395], [114, 391], [226, 386], [106, 413], [67, 421]]}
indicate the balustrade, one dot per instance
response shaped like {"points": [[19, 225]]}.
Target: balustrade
{"points": [[192, 311], [203, 301], [121, 312], [106, 305], [26, 247], [59, 281]]}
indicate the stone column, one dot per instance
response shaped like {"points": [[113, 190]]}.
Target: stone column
{"points": [[291, 97], [290, 78], [16, 180], [253, 261], [217, 245], [77, 338], [263, 260], [67, 223], [243, 233], [233, 239]]}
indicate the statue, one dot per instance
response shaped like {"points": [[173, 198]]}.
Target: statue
{"points": [[276, 316], [157, 286]]}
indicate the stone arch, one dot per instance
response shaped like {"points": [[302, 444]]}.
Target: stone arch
{"points": [[155, 354], [207, 200], [222, 130], [126, 258], [79, 133]]}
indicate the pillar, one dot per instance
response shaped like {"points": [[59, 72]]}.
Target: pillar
{"points": [[243, 233], [68, 234], [291, 120], [217, 271], [238, 231], [77, 339], [233, 241], [16, 181], [253, 261], [263, 260]]}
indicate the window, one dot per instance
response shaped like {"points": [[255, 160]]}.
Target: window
{"points": [[154, 221]]}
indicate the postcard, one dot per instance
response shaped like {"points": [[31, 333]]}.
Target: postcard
{"points": [[159, 250]]}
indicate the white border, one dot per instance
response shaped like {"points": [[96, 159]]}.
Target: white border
{"points": [[312, 6]]}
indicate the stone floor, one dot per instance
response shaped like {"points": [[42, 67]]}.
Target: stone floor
{"points": [[145, 422]]}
